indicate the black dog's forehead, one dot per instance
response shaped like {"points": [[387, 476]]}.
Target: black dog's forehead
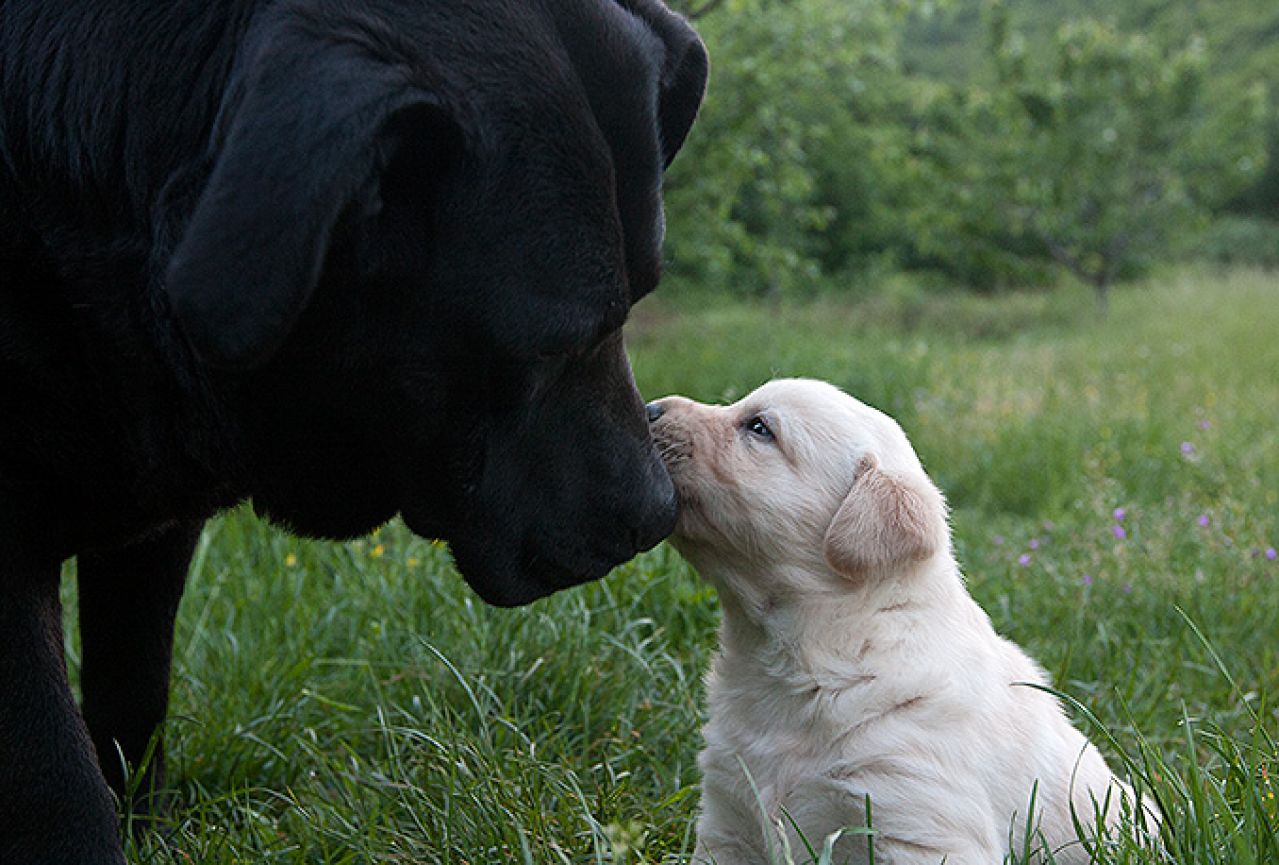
{"points": [[506, 53], [604, 35], [563, 109], [557, 101], [583, 63]]}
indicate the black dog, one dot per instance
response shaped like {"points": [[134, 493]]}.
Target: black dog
{"points": [[348, 259]]}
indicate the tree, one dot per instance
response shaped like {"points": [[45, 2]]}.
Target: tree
{"points": [[821, 155], [1240, 36], [746, 204], [1106, 148]]}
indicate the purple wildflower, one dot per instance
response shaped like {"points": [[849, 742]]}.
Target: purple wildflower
{"points": [[1204, 520], [1187, 449], [1023, 559], [999, 540], [1271, 555], [1127, 588], [1119, 515], [1087, 579], [1034, 543], [1205, 424], [1120, 533]]}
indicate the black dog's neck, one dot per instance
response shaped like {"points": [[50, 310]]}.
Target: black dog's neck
{"points": [[118, 404]]}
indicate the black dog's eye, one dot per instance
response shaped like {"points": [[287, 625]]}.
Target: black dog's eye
{"points": [[758, 427]]}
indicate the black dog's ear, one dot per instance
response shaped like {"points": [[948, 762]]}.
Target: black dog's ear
{"points": [[684, 73], [301, 138]]}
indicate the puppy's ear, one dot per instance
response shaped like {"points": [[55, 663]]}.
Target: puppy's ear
{"points": [[301, 140], [684, 74], [887, 520]]}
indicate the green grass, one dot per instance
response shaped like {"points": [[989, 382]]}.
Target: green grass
{"points": [[355, 703]]}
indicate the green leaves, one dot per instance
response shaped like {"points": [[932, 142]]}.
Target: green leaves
{"points": [[1094, 151], [834, 147], [746, 201]]}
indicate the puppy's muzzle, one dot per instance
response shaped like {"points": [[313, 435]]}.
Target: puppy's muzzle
{"points": [[673, 440]]}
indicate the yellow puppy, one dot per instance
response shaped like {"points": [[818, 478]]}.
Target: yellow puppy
{"points": [[853, 663]]}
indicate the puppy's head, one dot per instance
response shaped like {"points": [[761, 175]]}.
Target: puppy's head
{"points": [[800, 481]]}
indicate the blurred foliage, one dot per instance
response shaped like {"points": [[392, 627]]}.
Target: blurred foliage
{"points": [[797, 91], [1241, 36], [1239, 240], [1103, 146], [827, 151]]}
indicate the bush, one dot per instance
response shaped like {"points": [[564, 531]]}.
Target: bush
{"points": [[1239, 240]]}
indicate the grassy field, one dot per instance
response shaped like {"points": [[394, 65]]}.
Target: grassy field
{"points": [[1115, 488]]}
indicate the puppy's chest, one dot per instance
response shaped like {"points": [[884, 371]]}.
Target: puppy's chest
{"points": [[784, 736]]}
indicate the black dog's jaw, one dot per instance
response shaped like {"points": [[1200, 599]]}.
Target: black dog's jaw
{"points": [[344, 262]]}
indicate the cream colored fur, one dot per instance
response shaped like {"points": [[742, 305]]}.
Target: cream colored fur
{"points": [[853, 662]]}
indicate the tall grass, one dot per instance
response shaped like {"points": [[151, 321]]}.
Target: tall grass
{"points": [[1115, 487]]}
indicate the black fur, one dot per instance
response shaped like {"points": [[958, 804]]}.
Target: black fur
{"points": [[347, 259]]}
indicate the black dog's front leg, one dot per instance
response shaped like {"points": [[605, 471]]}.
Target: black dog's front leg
{"points": [[54, 805], [128, 600]]}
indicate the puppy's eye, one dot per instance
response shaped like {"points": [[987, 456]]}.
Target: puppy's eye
{"points": [[758, 427]]}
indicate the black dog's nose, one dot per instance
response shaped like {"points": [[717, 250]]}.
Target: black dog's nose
{"points": [[654, 411]]}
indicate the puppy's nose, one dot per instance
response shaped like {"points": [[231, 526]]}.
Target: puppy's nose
{"points": [[655, 410]]}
